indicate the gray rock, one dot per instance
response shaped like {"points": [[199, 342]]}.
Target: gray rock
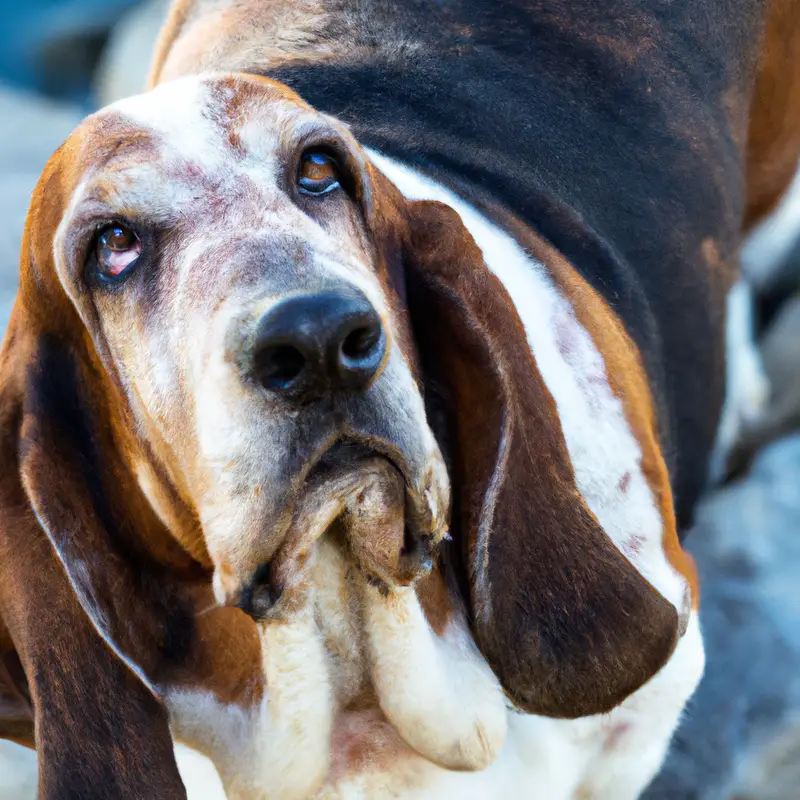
{"points": [[747, 546], [773, 771], [17, 772]]}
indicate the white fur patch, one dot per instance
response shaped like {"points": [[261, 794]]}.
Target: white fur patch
{"points": [[437, 691], [747, 388], [174, 110], [771, 241]]}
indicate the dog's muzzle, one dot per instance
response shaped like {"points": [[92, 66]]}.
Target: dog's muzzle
{"points": [[352, 452]]}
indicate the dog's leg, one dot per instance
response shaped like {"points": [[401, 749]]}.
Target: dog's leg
{"points": [[277, 747], [297, 712]]}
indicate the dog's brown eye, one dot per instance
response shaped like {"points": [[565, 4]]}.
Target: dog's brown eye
{"points": [[117, 250], [318, 173]]}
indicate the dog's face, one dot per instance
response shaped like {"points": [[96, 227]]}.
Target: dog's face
{"points": [[213, 335], [220, 245]]}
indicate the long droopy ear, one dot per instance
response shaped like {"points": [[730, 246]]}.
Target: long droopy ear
{"points": [[76, 446], [98, 729], [91, 620], [569, 626]]}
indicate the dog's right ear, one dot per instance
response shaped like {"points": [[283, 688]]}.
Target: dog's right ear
{"points": [[97, 729], [88, 620]]}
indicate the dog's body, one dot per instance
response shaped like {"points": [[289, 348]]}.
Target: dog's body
{"points": [[564, 329]]}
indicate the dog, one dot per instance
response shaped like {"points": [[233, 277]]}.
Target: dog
{"points": [[362, 376]]}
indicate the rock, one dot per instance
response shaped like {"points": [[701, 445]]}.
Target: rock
{"points": [[773, 772], [747, 549], [17, 772], [780, 347]]}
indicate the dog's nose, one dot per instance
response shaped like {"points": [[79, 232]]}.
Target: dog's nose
{"points": [[312, 344]]}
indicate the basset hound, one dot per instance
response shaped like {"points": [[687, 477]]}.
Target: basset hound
{"points": [[362, 376]]}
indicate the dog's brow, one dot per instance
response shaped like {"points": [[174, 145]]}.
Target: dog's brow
{"points": [[180, 119], [136, 191]]}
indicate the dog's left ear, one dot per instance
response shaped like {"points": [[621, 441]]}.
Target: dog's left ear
{"points": [[569, 626]]}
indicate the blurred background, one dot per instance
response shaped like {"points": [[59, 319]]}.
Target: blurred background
{"points": [[740, 739]]}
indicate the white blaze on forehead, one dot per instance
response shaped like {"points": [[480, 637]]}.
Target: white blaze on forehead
{"points": [[178, 113], [604, 452], [192, 119]]}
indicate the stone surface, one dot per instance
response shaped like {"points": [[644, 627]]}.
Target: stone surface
{"points": [[747, 546], [17, 772]]}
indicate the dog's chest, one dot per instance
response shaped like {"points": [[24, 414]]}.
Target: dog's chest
{"points": [[541, 758], [330, 723]]}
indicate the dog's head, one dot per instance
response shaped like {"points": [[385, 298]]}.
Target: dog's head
{"points": [[214, 337], [233, 273]]}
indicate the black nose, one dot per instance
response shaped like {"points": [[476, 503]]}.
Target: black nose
{"points": [[312, 344]]}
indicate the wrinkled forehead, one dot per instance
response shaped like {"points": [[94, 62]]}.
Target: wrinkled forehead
{"points": [[191, 137]]}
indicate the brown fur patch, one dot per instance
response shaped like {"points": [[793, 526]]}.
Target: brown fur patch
{"points": [[434, 597], [773, 146]]}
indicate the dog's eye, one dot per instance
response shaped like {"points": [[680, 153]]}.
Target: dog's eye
{"points": [[118, 249], [318, 173]]}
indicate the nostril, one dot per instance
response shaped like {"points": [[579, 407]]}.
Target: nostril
{"points": [[259, 596], [360, 352], [280, 365], [361, 343]]}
